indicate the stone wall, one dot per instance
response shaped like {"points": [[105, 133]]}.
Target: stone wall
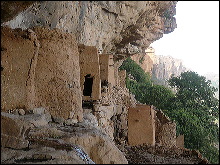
{"points": [[122, 78], [141, 125], [165, 130], [104, 116], [41, 69]]}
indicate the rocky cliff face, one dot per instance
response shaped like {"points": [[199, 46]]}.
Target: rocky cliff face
{"points": [[160, 67], [46, 115], [165, 66], [111, 26]]}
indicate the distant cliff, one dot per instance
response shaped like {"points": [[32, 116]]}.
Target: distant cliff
{"points": [[160, 67]]}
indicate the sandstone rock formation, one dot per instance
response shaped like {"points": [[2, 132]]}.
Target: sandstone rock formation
{"points": [[165, 66], [158, 66], [111, 26], [40, 141], [49, 114]]}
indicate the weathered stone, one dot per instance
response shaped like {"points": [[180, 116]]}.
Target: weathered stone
{"points": [[13, 142], [21, 112], [13, 130], [165, 130], [39, 111], [43, 155], [104, 115], [10, 9], [99, 146], [13, 125], [158, 154], [90, 119], [117, 26], [37, 120], [70, 121], [59, 120], [45, 132]]}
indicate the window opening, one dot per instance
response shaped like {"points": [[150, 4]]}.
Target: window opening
{"points": [[87, 91]]}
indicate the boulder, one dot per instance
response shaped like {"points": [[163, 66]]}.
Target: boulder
{"points": [[42, 155], [100, 148], [13, 130]]}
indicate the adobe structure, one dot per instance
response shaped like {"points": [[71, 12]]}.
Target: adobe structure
{"points": [[147, 125], [141, 125], [45, 75], [41, 70], [180, 141], [107, 69], [89, 72]]}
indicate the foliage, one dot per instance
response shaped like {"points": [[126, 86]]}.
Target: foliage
{"points": [[132, 68], [195, 91], [193, 107], [195, 110], [143, 88]]}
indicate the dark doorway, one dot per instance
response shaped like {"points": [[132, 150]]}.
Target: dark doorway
{"points": [[87, 91]]}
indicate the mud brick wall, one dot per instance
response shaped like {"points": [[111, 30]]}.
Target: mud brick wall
{"points": [[141, 125], [89, 65], [107, 68], [41, 69]]}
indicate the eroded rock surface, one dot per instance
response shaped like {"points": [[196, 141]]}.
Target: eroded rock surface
{"points": [[112, 26], [78, 143], [158, 66], [41, 87]]}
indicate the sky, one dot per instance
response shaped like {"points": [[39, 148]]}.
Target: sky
{"points": [[196, 39]]}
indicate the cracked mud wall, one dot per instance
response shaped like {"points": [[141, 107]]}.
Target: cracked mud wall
{"points": [[17, 50], [44, 75]]}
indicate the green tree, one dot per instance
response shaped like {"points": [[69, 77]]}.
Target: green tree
{"points": [[194, 91], [132, 68], [195, 110], [193, 107], [141, 85]]}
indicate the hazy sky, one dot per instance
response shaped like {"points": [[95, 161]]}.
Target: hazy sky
{"points": [[196, 38]]}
